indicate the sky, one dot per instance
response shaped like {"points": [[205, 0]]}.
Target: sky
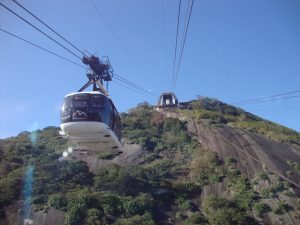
{"points": [[235, 50]]}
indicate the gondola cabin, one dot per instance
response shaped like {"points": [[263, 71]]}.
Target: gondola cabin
{"points": [[90, 122], [168, 99]]}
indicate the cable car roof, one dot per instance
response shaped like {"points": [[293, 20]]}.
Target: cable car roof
{"points": [[87, 92]]}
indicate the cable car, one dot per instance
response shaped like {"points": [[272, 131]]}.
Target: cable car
{"points": [[89, 119], [167, 99]]}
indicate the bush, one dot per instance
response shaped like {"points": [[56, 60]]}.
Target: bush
{"points": [[179, 216], [93, 217], [263, 175], [242, 192], [111, 204], [58, 201], [145, 219], [229, 160], [261, 208], [188, 189], [196, 218], [220, 211], [282, 208], [106, 154]]}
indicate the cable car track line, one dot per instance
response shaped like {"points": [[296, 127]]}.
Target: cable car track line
{"points": [[26, 21], [48, 26], [272, 99], [118, 77], [116, 36], [40, 47], [265, 98], [165, 34], [176, 42], [142, 93], [183, 44]]}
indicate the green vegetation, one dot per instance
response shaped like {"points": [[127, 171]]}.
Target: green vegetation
{"points": [[215, 113], [155, 133], [206, 167], [167, 182], [261, 208], [272, 190], [108, 154], [295, 166], [221, 211], [282, 207]]}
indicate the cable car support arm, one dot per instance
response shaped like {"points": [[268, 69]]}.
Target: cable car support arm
{"points": [[99, 71]]}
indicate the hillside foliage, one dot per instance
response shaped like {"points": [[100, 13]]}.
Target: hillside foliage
{"points": [[166, 184]]}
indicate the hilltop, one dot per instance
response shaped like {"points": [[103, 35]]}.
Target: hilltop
{"points": [[206, 162]]}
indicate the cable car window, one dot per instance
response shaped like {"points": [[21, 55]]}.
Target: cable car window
{"points": [[97, 101], [81, 97], [67, 103], [80, 103]]}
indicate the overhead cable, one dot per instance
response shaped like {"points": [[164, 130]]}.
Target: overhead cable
{"points": [[38, 46], [128, 87], [165, 32], [116, 36], [48, 26], [124, 80], [183, 43], [176, 43], [26, 21], [125, 83], [262, 99]]}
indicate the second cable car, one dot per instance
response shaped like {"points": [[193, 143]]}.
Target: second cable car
{"points": [[167, 99]]}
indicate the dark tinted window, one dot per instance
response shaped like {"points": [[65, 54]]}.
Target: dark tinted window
{"points": [[67, 102], [97, 101], [77, 103], [81, 97], [169, 97]]}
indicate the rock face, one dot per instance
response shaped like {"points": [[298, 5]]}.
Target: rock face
{"points": [[131, 155], [47, 217], [253, 153], [247, 148]]}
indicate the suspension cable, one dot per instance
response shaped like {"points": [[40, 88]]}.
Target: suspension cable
{"points": [[122, 79], [26, 21], [48, 27], [254, 100], [183, 44], [176, 42], [40, 47]]}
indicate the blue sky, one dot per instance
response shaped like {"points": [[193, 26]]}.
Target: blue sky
{"points": [[235, 50]]}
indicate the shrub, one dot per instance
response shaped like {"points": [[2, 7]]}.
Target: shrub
{"points": [[261, 208], [196, 218], [263, 175], [58, 201], [229, 160], [220, 211], [93, 217], [282, 207], [111, 204], [179, 216], [145, 219]]}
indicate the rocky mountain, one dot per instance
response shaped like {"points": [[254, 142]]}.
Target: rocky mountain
{"points": [[205, 162]]}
